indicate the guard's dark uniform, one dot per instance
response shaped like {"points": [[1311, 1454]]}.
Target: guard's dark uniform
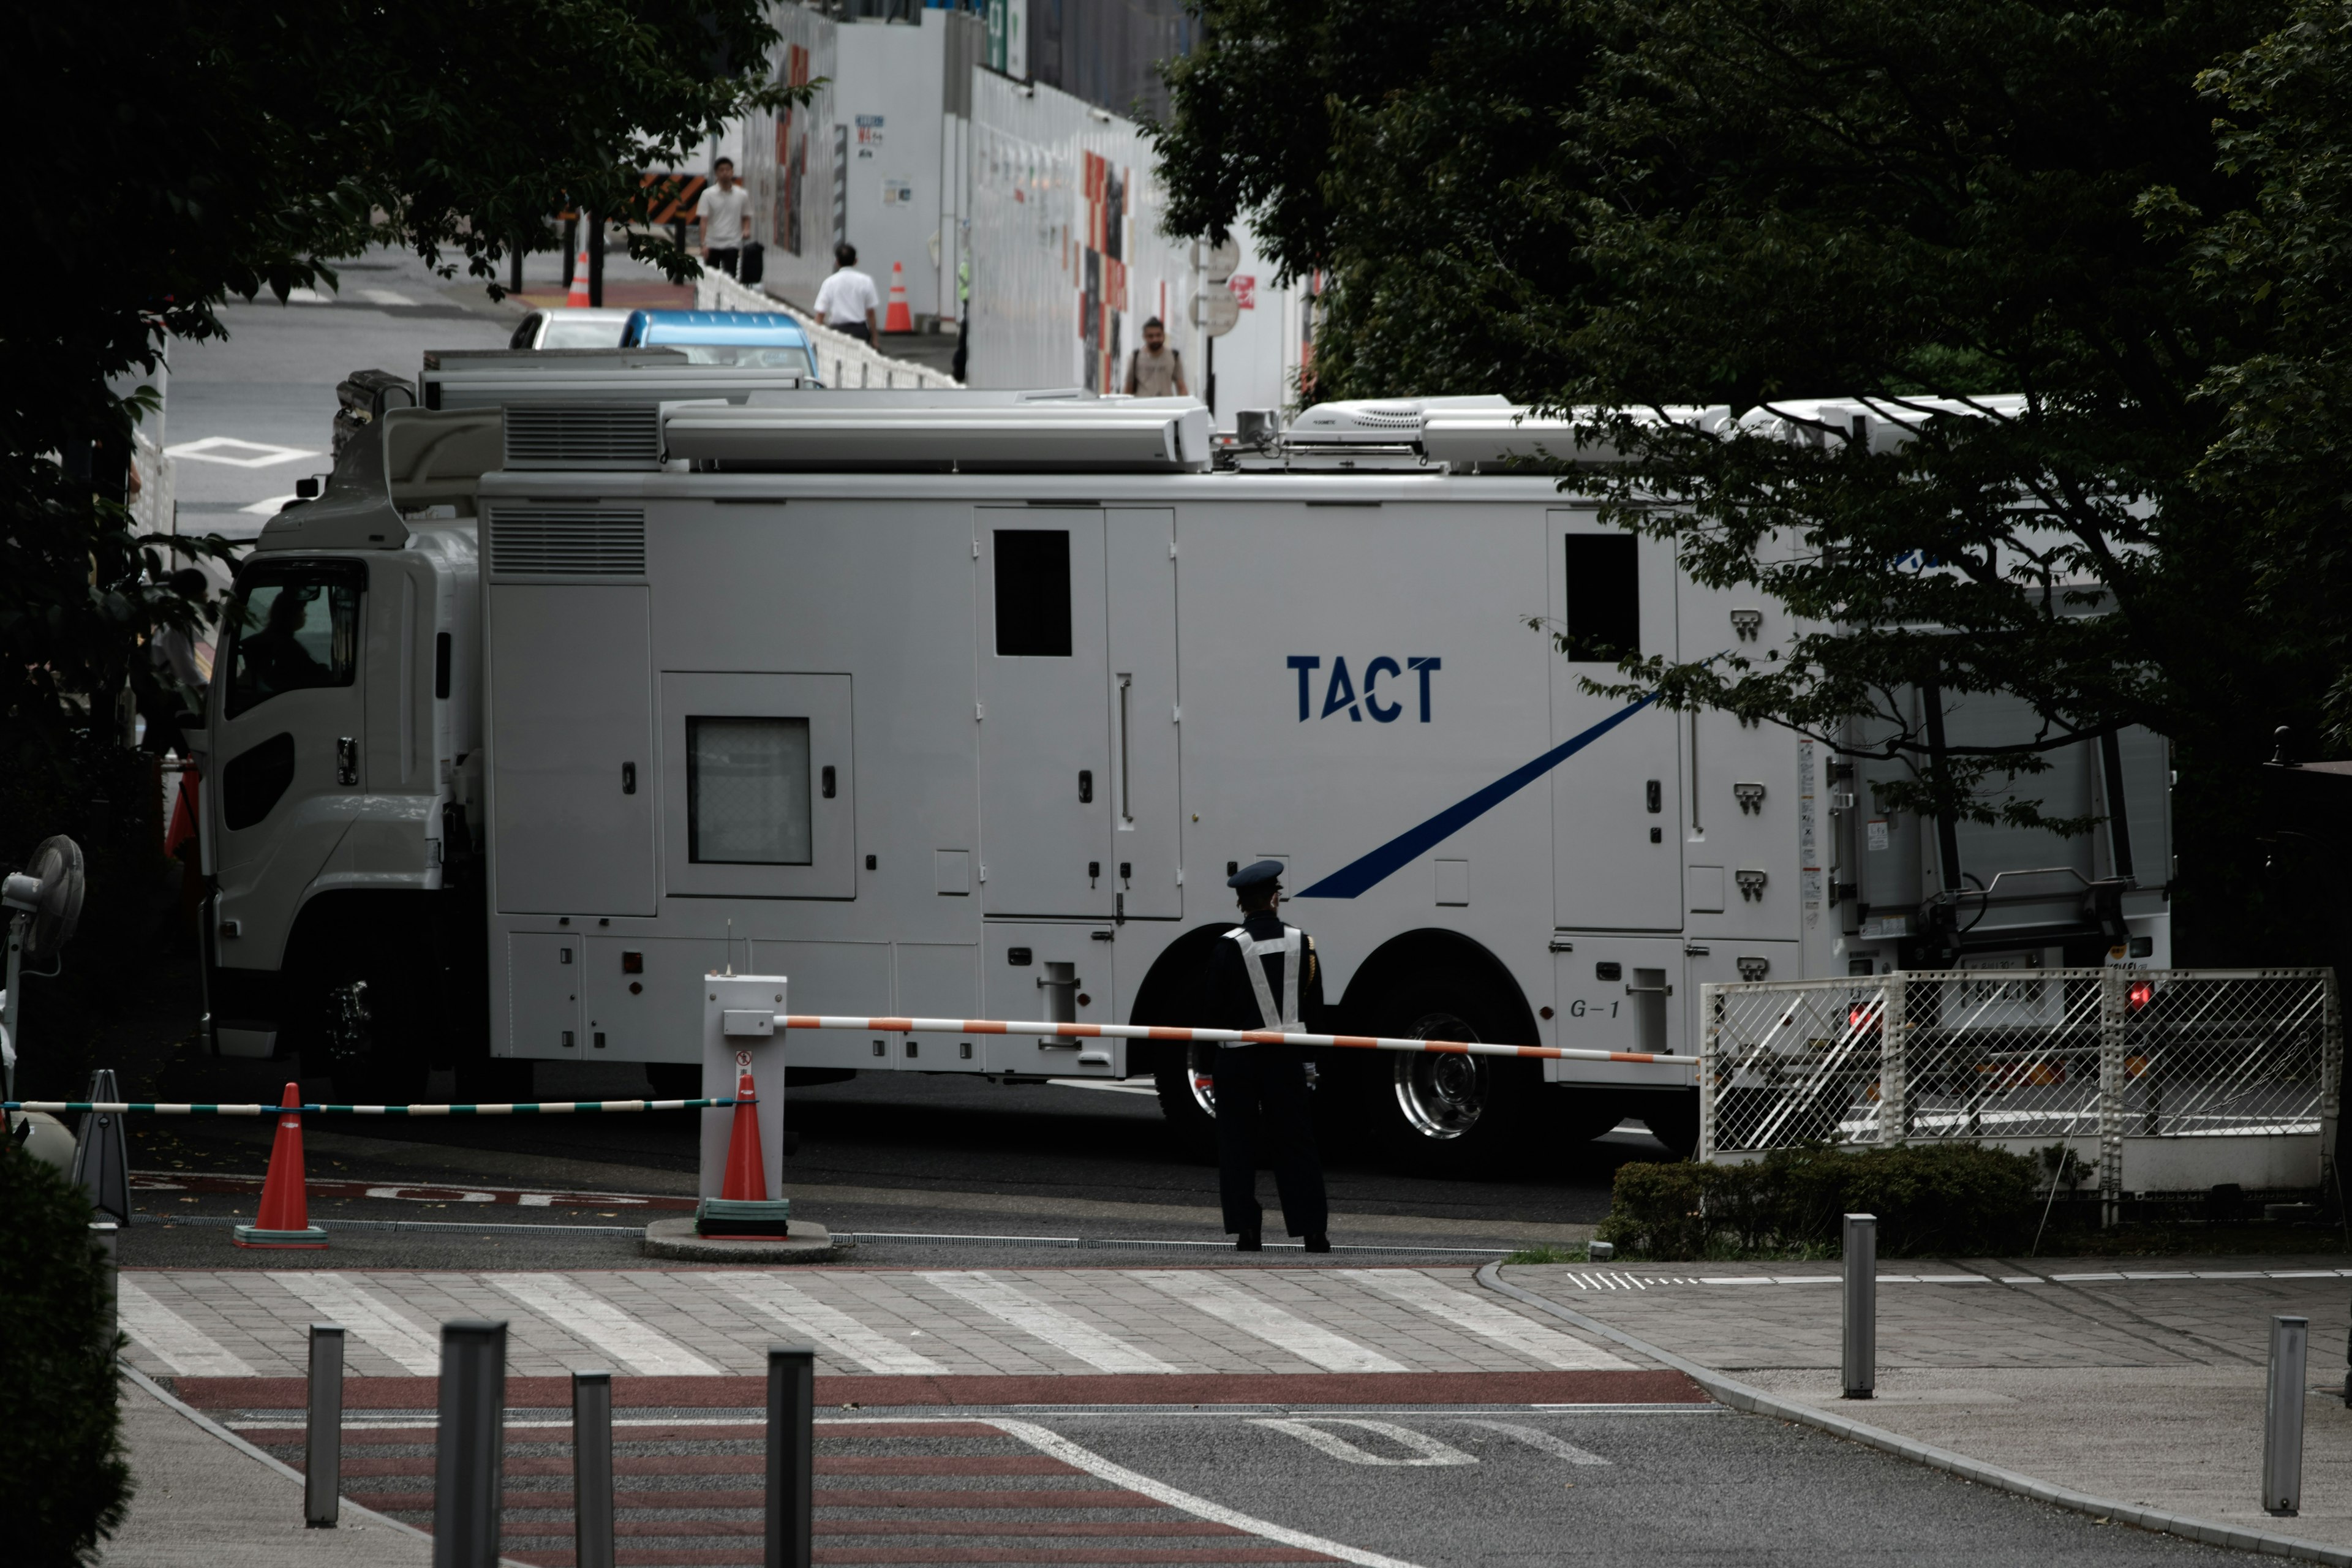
{"points": [[1265, 1086]]}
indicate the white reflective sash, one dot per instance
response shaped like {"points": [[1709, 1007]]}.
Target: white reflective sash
{"points": [[1288, 944]]}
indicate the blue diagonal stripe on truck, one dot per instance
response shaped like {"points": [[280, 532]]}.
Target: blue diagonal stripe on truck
{"points": [[1362, 875]]}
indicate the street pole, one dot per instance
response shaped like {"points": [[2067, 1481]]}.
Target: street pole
{"points": [[1861, 1306], [591, 1469], [322, 1436], [471, 1453], [792, 1471], [2283, 1417]]}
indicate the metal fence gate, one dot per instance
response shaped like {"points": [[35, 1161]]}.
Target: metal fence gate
{"points": [[2029, 1058]]}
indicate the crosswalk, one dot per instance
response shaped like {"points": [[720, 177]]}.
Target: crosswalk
{"points": [[707, 1323]]}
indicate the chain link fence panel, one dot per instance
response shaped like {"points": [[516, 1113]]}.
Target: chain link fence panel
{"points": [[2021, 1053]]}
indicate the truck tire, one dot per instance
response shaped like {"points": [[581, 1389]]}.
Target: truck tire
{"points": [[1673, 1119], [1441, 1114], [365, 1043], [1184, 1075]]}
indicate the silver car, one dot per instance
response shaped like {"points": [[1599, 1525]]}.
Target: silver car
{"points": [[570, 328]]}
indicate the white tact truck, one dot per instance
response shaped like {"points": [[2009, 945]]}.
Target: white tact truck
{"points": [[961, 705]]}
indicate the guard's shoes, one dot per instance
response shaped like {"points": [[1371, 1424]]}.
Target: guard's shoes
{"points": [[1249, 1241], [1317, 1242]]}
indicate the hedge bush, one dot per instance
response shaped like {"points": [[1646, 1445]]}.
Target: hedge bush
{"points": [[1947, 1199], [64, 1483]]}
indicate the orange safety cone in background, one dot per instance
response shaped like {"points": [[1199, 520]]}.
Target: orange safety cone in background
{"points": [[898, 318], [742, 1210], [578, 298], [285, 1217], [746, 1180]]}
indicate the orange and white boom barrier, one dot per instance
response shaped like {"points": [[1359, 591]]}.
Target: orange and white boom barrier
{"points": [[1215, 1037]]}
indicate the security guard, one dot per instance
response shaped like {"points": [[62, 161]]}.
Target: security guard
{"points": [[1264, 975]]}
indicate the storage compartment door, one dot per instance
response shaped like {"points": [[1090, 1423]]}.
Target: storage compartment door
{"points": [[1147, 846], [572, 750], [759, 786], [1617, 802], [1046, 796]]}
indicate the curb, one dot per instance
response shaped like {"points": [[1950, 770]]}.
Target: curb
{"points": [[1742, 1396], [172, 1402]]}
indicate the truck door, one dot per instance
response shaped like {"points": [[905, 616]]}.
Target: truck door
{"points": [[572, 777], [288, 736], [1046, 783], [1617, 818]]}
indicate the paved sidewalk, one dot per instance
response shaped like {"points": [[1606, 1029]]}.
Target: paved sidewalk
{"points": [[201, 1500], [2140, 1382]]}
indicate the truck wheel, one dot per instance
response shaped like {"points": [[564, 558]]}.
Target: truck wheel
{"points": [[1185, 1076], [1673, 1119], [1444, 1114], [365, 1052]]}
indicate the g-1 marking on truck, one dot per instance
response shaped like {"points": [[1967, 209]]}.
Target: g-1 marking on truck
{"points": [[592, 674]]}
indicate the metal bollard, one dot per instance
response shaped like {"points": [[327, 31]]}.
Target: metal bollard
{"points": [[106, 1234], [469, 1461], [322, 1433], [2283, 1417], [1861, 1306], [792, 1459], [591, 1469]]}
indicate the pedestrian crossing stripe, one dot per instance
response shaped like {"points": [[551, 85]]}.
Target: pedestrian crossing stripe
{"points": [[235, 1323]]}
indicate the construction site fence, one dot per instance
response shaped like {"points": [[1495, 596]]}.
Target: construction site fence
{"points": [[2029, 1059], [841, 360]]}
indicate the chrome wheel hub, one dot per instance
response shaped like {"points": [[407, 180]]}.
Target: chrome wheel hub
{"points": [[1442, 1097]]}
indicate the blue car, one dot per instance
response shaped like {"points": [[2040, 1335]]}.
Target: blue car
{"points": [[753, 339]]}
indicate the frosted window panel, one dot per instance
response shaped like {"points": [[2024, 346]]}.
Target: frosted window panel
{"points": [[747, 785]]}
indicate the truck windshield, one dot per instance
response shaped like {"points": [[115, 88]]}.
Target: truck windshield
{"points": [[295, 625]]}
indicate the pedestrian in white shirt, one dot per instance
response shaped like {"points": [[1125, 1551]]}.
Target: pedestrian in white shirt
{"points": [[847, 301], [725, 210]]}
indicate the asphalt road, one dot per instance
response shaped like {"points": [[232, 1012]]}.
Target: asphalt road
{"points": [[1678, 1489]]}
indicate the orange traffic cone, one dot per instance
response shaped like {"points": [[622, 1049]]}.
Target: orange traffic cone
{"points": [[285, 1205], [578, 298], [898, 318], [742, 1208]]}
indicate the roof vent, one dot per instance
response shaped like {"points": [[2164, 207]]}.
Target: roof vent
{"points": [[584, 435], [567, 542]]}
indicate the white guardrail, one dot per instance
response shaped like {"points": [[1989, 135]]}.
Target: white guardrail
{"points": [[2188, 1077], [842, 362]]}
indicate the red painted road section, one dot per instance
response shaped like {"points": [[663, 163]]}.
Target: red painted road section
{"points": [[687, 1492], [1607, 1387]]}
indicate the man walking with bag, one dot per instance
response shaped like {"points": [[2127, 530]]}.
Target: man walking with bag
{"points": [[1266, 976], [724, 210], [1155, 370]]}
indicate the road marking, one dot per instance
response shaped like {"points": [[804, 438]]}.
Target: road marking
{"points": [[839, 1332], [585, 1315], [342, 1300], [385, 297], [177, 1342], [270, 508], [1427, 1450], [235, 453], [1484, 1318], [1075, 1336], [299, 295], [1094, 1464], [1253, 1314], [1558, 1447]]}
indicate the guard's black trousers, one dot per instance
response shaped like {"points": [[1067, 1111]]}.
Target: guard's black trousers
{"points": [[1265, 1086]]}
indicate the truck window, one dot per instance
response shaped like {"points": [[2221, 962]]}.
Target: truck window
{"points": [[1032, 593], [1604, 612], [747, 792], [295, 627]]}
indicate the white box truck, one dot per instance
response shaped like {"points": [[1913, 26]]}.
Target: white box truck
{"points": [[962, 705]]}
